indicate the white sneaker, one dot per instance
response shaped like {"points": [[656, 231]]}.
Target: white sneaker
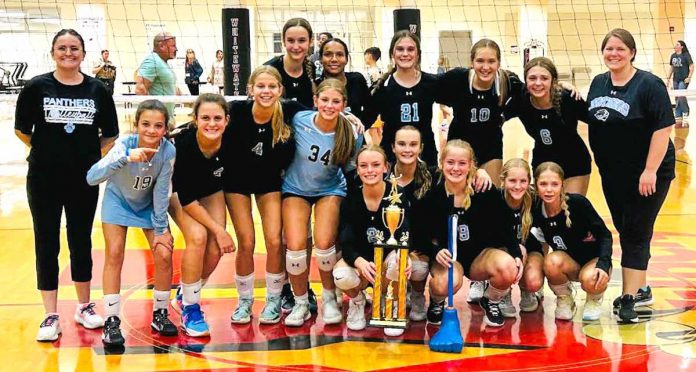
{"points": [[298, 315], [529, 301], [86, 316], [330, 311], [355, 319], [49, 330], [418, 311], [476, 290], [506, 307], [565, 307], [393, 332], [593, 309]]}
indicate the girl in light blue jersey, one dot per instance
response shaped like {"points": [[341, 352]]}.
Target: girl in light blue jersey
{"points": [[139, 171], [325, 146]]}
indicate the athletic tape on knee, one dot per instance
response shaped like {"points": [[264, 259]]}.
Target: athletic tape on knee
{"points": [[419, 270], [326, 258], [346, 278], [296, 262]]}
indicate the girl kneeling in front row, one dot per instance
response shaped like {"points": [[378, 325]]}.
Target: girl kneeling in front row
{"points": [[484, 233], [580, 241], [139, 170]]}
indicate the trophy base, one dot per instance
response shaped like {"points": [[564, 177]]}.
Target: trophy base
{"points": [[388, 323]]}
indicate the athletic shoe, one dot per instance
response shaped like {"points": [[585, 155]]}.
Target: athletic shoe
{"points": [[642, 298], [355, 319], [271, 312], [162, 324], [193, 322], [393, 332], [312, 298], [287, 299], [86, 316], [178, 301], [435, 310], [476, 289], [242, 314], [49, 330], [330, 311], [565, 307], [593, 309], [627, 313], [493, 316], [529, 301], [506, 307], [298, 315], [418, 312], [111, 335]]}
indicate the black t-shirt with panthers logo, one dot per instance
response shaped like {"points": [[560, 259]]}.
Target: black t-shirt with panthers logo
{"points": [[65, 121], [622, 120]]}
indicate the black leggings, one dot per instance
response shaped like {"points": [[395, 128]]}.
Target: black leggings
{"points": [[193, 88], [49, 192], [634, 218]]}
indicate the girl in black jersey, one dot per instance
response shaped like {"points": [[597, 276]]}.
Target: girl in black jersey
{"points": [[630, 121], [198, 206], [65, 117], [487, 249], [360, 228], [294, 66], [259, 146], [580, 241], [550, 116], [478, 97], [518, 196], [334, 58], [404, 96]]}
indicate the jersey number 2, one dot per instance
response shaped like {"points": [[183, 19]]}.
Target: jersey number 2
{"points": [[315, 155]]}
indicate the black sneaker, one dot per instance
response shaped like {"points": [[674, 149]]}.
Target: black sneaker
{"points": [[162, 324], [493, 316], [312, 300], [642, 298], [435, 310], [287, 299], [112, 332], [627, 313]]}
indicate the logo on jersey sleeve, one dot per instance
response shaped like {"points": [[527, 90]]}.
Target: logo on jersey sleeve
{"points": [[558, 241]]}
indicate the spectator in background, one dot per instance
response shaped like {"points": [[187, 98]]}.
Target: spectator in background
{"points": [[193, 72], [315, 58], [681, 68], [105, 71], [373, 72], [442, 64], [217, 72], [155, 77]]}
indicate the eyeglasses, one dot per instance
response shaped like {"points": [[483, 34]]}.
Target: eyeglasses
{"points": [[68, 50]]}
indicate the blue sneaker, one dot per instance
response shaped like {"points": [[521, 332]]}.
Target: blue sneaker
{"points": [[271, 312], [242, 315], [177, 302], [192, 321]]}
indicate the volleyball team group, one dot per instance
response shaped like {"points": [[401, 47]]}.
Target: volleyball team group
{"points": [[304, 145]]}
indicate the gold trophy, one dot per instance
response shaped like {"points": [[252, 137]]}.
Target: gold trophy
{"points": [[394, 313]]}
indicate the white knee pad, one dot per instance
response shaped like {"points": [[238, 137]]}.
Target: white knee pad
{"points": [[296, 262], [346, 278], [326, 258], [392, 267], [419, 270]]}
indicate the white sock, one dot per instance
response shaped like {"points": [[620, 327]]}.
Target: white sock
{"points": [[328, 294], [161, 300], [560, 289], [274, 283], [595, 297], [191, 293], [304, 298], [494, 294], [245, 285], [112, 305], [203, 282]]}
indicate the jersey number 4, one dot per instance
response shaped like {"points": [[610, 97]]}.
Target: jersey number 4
{"points": [[142, 183], [409, 112], [258, 149], [326, 158]]}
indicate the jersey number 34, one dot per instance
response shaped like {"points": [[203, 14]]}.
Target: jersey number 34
{"points": [[326, 158]]}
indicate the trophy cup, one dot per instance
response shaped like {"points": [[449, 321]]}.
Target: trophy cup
{"points": [[393, 315]]}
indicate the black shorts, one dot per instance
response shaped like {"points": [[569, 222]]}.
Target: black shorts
{"points": [[310, 199], [467, 259], [247, 183], [575, 164], [486, 148]]}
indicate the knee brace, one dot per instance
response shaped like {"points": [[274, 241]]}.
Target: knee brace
{"points": [[326, 258], [346, 278], [296, 262], [419, 270]]}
